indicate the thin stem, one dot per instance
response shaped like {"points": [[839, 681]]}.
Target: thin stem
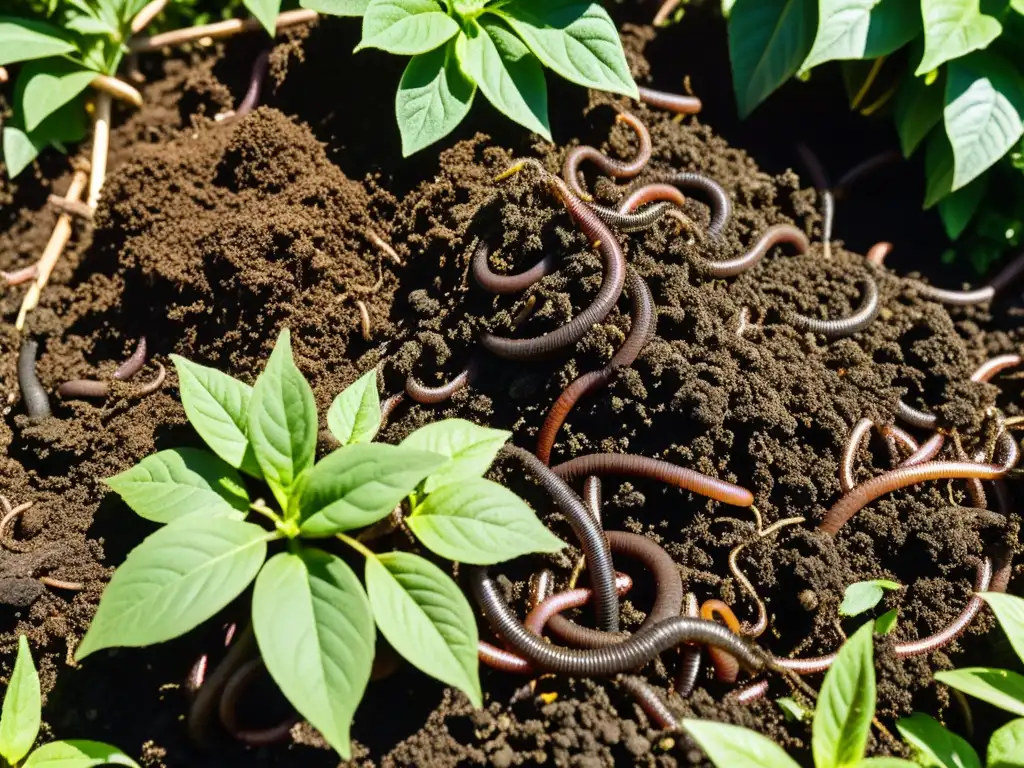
{"points": [[260, 507], [357, 545], [218, 30]]}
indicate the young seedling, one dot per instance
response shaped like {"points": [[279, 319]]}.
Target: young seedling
{"points": [[19, 727], [862, 596], [313, 618]]}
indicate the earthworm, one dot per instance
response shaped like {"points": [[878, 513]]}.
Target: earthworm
{"points": [[197, 674], [757, 628], [1007, 451], [876, 253], [547, 612], [650, 193], [689, 664], [727, 669], [990, 368], [929, 450], [592, 539], [667, 602], [641, 466], [650, 701], [671, 102], [10, 513], [152, 386], [616, 168], [37, 404], [434, 395], [592, 496], [774, 235], [1008, 274], [495, 283], [79, 388], [388, 407], [252, 94], [633, 222], [71, 207], [23, 275], [542, 585], [751, 693], [957, 298], [385, 247], [73, 586], [864, 169], [364, 320], [631, 653], [715, 195], [979, 500], [202, 712], [501, 659], [846, 326], [642, 319], [914, 417], [133, 364], [611, 287], [853, 443], [234, 690], [851, 503], [901, 436], [828, 213]]}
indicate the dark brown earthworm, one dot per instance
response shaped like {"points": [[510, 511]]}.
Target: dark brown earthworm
{"points": [[914, 417], [591, 496], [37, 403], [671, 102], [775, 235], [689, 663], [929, 450], [650, 701], [542, 585], [727, 669], [630, 654], [495, 283], [202, 713], [618, 169], [876, 253], [642, 319], [714, 195], [846, 326], [256, 78], [864, 169], [133, 364], [751, 693], [592, 539], [957, 298], [997, 364], [388, 407], [655, 469], [234, 690], [651, 193], [80, 388], [1007, 451], [433, 395], [979, 500], [853, 444], [611, 287], [851, 503]]}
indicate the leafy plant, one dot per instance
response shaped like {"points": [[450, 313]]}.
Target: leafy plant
{"points": [[313, 618], [497, 46], [19, 727]]}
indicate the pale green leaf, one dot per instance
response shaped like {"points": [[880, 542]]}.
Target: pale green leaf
{"points": [[433, 98], [266, 11], [885, 623], [999, 687], [917, 109], [26, 39], [934, 745], [846, 704], [793, 711], [471, 449], [354, 416], [1009, 609], [406, 27], [43, 87], [337, 7], [89, 25], [864, 595], [1006, 747], [77, 753], [954, 28], [730, 746], [862, 29], [20, 719], [958, 208]]}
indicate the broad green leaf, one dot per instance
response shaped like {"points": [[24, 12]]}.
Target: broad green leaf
{"points": [[358, 485], [727, 7], [471, 449], [865, 595], [984, 113], [315, 632], [469, 8], [406, 27], [846, 704], [1006, 747], [432, 98], [337, 7], [954, 28], [216, 405], [354, 416], [862, 29], [1017, 5], [768, 41], [999, 687], [480, 522], [177, 578], [577, 40], [282, 421], [918, 109], [19, 149], [25, 39], [958, 208], [938, 167], [182, 481], [793, 711], [66, 125], [935, 745], [266, 11], [90, 25], [426, 618], [19, 722], [730, 746], [506, 72], [43, 87], [884, 624], [77, 753], [1009, 609]]}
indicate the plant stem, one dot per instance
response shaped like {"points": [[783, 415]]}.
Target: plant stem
{"points": [[118, 89], [260, 507], [100, 148], [358, 546], [220, 29], [149, 12]]}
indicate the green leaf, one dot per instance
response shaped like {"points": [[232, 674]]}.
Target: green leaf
{"points": [[507, 73], [934, 745], [917, 110], [406, 27], [315, 632], [337, 7], [182, 481], [886, 762], [730, 746], [768, 41], [793, 711], [999, 687], [1017, 5], [884, 624], [282, 421], [20, 719], [354, 416], [177, 578], [25, 39], [77, 753], [90, 25], [66, 125], [1006, 747], [862, 29], [954, 28], [577, 40], [471, 449], [983, 113], [865, 595], [266, 11], [938, 167], [846, 705], [480, 522], [216, 405], [426, 618], [957, 209], [43, 87], [432, 98], [1010, 612], [358, 485]]}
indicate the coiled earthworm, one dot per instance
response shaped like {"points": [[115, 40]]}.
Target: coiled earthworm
{"points": [[10, 514], [650, 701], [689, 662], [990, 368], [667, 602], [901, 436], [133, 364], [84, 388], [751, 693], [876, 253], [957, 298], [630, 654], [714, 195], [495, 283], [853, 443], [758, 628], [547, 613], [37, 403], [234, 690], [846, 326], [727, 669], [433, 395], [616, 168], [592, 539], [256, 78], [642, 319], [851, 503], [641, 466], [929, 450], [592, 496], [914, 417], [611, 287], [542, 585], [650, 193], [202, 712], [671, 102], [774, 235], [979, 499]]}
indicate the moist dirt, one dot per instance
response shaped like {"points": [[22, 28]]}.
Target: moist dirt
{"points": [[212, 236]]}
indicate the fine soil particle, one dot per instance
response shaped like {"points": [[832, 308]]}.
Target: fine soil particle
{"points": [[211, 237]]}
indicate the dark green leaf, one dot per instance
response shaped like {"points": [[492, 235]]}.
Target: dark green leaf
{"points": [[20, 720], [938, 167], [935, 745], [1009, 609], [918, 109], [959, 208], [432, 98], [846, 705], [884, 624]]}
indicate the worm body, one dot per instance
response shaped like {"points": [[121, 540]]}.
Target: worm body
{"points": [[914, 417], [775, 235], [651, 193], [727, 669], [864, 169], [853, 444], [433, 395], [650, 701], [846, 326], [542, 585], [990, 368], [876, 253], [591, 496], [234, 690], [388, 407], [752, 693], [714, 195], [547, 613], [671, 102], [689, 663], [929, 450], [81, 388], [633, 222], [957, 298], [37, 403], [901, 436], [616, 168], [133, 364], [1007, 451], [256, 78], [495, 283]]}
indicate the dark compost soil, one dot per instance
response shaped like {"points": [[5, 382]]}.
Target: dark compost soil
{"points": [[211, 237]]}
